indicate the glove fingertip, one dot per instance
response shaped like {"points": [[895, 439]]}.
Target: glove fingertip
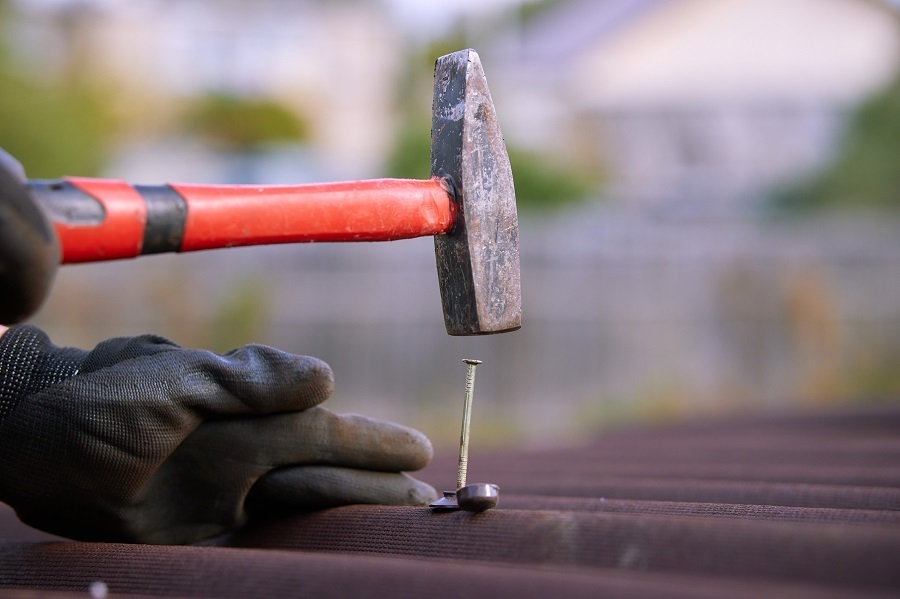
{"points": [[422, 450], [420, 493], [316, 487], [317, 378], [383, 445], [268, 380]]}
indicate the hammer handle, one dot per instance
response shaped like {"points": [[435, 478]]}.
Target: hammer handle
{"points": [[104, 219]]}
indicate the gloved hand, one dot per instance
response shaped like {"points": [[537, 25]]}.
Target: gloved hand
{"points": [[140, 440], [29, 251]]}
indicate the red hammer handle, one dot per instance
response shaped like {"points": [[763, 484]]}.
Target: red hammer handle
{"points": [[126, 221], [375, 210]]}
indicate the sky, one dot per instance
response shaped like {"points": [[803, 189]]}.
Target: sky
{"points": [[422, 10], [416, 15], [422, 18]]}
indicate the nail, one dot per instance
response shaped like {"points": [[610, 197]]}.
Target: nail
{"points": [[466, 424]]}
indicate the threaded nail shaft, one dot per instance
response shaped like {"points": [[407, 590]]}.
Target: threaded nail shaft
{"points": [[466, 423]]}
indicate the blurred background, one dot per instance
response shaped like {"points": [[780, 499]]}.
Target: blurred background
{"points": [[709, 194]]}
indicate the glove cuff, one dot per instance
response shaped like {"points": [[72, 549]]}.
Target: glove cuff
{"points": [[29, 362]]}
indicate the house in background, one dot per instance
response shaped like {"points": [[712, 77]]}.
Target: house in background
{"points": [[700, 102], [703, 103], [334, 64], [678, 102]]}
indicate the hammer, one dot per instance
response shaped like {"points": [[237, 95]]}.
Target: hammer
{"points": [[468, 205]]}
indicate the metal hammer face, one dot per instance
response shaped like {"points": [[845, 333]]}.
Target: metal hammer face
{"points": [[478, 260]]}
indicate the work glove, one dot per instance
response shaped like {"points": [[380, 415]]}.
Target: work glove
{"points": [[140, 440], [29, 251]]}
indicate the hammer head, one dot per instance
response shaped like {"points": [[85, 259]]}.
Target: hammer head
{"points": [[478, 260]]}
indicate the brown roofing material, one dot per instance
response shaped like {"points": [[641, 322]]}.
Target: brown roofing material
{"points": [[800, 505]]}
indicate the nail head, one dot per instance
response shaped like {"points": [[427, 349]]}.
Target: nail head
{"points": [[478, 497]]}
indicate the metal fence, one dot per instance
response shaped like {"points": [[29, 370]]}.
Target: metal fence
{"points": [[626, 316]]}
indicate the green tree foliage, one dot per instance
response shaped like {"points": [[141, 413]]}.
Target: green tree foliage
{"points": [[53, 128], [241, 123], [866, 172], [243, 313], [531, 10], [541, 182]]}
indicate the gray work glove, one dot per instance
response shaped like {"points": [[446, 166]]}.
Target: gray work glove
{"points": [[140, 440], [29, 251]]}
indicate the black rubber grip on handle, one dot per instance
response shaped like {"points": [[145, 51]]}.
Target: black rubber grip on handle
{"points": [[65, 203], [166, 211], [166, 214]]}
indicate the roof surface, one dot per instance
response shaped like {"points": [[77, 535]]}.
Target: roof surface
{"points": [[806, 505]]}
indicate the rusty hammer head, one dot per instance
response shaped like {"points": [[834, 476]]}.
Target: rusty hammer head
{"points": [[478, 260]]}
